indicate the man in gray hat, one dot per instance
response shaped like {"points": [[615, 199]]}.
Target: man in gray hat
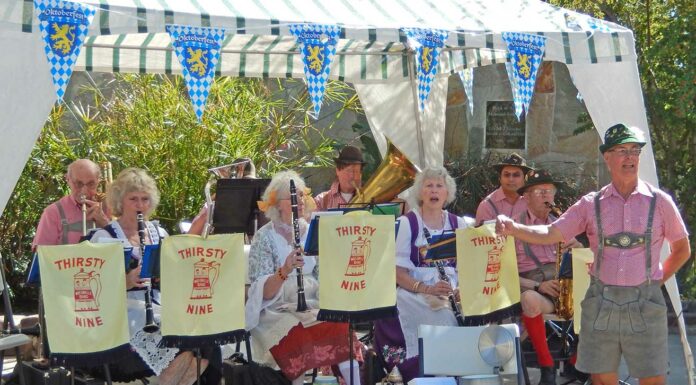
{"points": [[624, 312], [504, 199], [349, 166]]}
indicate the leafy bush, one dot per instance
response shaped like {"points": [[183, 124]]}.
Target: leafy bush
{"points": [[147, 121]]}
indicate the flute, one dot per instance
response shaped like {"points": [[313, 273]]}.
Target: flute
{"points": [[443, 277], [150, 324], [301, 301]]}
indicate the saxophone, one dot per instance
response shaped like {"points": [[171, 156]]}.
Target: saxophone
{"points": [[564, 302]]}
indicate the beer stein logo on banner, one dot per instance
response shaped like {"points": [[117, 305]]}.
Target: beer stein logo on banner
{"points": [[205, 274], [493, 265], [359, 253], [87, 287]]}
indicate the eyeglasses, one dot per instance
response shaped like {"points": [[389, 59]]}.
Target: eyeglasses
{"points": [[89, 185], [512, 175], [625, 152], [543, 191]]}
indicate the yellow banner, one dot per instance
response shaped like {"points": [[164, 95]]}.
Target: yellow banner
{"points": [[84, 291], [202, 284], [487, 268], [582, 262], [357, 262]]}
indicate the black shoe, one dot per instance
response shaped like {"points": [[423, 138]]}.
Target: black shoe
{"points": [[548, 375]]}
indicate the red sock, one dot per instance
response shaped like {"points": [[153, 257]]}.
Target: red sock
{"points": [[537, 334]]}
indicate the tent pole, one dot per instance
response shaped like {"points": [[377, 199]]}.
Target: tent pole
{"points": [[414, 91]]}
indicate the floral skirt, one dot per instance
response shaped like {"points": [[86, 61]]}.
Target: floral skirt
{"points": [[321, 344]]}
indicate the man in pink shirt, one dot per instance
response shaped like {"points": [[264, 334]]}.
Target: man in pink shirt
{"points": [[627, 221], [505, 200], [349, 166], [537, 268], [61, 222]]}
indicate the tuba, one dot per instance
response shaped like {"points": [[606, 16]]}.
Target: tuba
{"points": [[564, 302], [395, 174], [228, 171]]}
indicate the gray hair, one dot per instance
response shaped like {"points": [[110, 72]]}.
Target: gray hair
{"points": [[433, 172], [281, 185], [131, 180]]}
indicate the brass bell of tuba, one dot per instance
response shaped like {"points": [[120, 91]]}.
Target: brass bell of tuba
{"points": [[229, 171], [395, 174]]}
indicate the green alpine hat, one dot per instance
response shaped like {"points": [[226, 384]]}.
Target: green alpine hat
{"points": [[620, 134]]}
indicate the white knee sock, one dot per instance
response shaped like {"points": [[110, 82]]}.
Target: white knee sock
{"points": [[344, 367], [299, 380]]}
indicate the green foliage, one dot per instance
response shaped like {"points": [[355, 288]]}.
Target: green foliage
{"points": [[147, 121], [476, 178], [664, 33]]}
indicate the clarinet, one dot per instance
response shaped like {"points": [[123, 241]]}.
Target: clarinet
{"points": [[444, 277], [301, 301], [150, 325]]}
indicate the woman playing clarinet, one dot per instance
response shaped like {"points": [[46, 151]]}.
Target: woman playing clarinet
{"points": [[426, 288], [282, 336], [132, 197]]}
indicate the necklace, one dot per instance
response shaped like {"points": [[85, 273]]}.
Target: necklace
{"points": [[432, 225]]}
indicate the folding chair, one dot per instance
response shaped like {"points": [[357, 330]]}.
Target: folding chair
{"points": [[454, 351], [10, 338]]}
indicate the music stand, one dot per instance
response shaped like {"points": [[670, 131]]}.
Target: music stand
{"points": [[442, 247], [236, 210]]}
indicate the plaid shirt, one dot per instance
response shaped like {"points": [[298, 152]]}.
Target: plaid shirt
{"points": [[625, 267], [330, 199]]}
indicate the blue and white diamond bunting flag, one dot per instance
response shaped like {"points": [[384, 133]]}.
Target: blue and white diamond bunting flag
{"points": [[467, 76], [198, 51], [525, 52], [318, 46], [63, 27], [427, 43]]}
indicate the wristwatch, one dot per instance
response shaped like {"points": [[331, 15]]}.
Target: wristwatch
{"points": [[536, 286]]}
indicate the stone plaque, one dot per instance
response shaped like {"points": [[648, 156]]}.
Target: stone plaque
{"points": [[503, 130]]}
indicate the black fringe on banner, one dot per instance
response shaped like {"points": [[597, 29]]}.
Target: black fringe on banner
{"points": [[192, 342], [357, 316], [496, 316], [88, 360]]}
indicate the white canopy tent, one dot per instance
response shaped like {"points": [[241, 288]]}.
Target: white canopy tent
{"points": [[128, 36]]}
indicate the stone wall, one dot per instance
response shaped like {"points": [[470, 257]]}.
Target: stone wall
{"points": [[554, 116]]}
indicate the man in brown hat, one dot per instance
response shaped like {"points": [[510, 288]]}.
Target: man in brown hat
{"points": [[349, 166], [624, 313], [537, 268], [505, 200]]}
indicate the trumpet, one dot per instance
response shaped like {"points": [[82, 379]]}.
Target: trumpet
{"points": [[564, 302], [105, 179]]}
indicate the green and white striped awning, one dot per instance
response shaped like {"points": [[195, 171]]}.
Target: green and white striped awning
{"points": [[270, 57], [128, 35]]}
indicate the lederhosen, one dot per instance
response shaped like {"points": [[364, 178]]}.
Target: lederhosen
{"points": [[66, 227], [543, 271], [628, 321]]}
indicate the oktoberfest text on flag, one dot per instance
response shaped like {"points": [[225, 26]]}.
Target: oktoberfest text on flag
{"points": [[198, 51], [525, 52], [318, 46], [427, 43], [63, 27]]}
